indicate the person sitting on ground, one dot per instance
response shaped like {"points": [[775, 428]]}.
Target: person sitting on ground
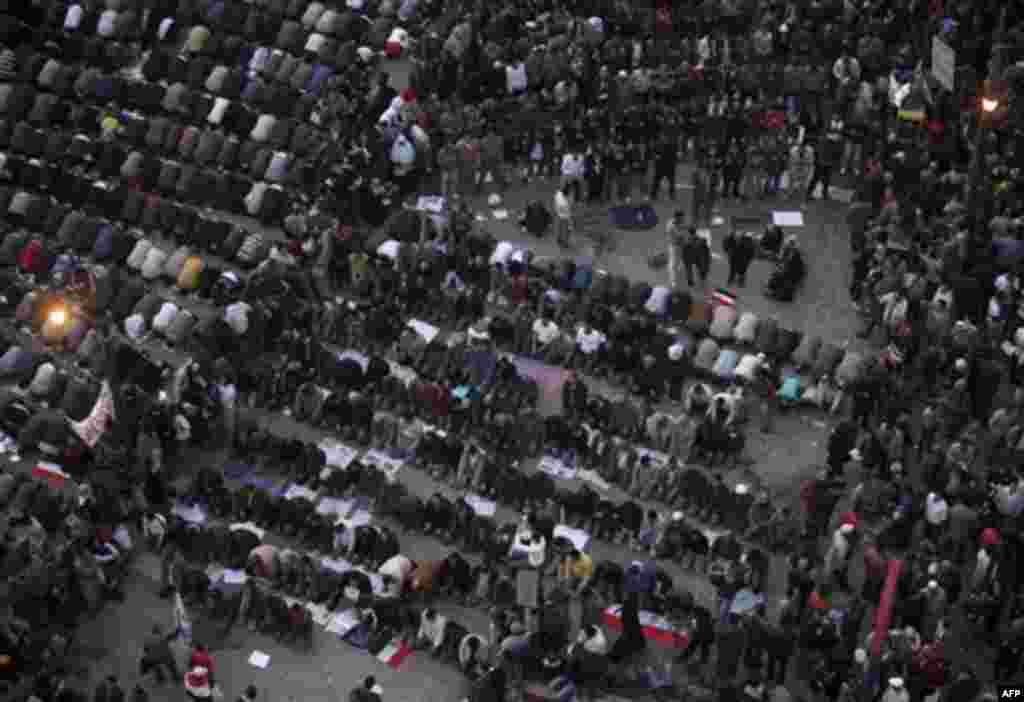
{"points": [[431, 633], [473, 656]]}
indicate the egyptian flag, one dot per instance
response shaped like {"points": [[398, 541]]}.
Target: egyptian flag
{"points": [[663, 17], [394, 654], [100, 419], [720, 297], [50, 472]]}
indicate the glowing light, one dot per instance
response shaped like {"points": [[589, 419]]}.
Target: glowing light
{"points": [[58, 316], [989, 104]]}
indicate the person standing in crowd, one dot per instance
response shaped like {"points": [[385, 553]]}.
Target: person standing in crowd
{"points": [[696, 255], [826, 158], [665, 163], [157, 656], [563, 216], [573, 173], [675, 232], [700, 206], [801, 164], [492, 155], [740, 250], [595, 174]]}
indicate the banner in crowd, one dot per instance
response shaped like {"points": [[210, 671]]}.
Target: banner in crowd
{"points": [[101, 418], [395, 653], [886, 602], [51, 473], [549, 379], [655, 628]]}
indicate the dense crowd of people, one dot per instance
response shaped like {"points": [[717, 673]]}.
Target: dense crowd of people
{"points": [[389, 322]]}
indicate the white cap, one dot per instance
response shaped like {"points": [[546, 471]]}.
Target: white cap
{"points": [[896, 682], [860, 656], [678, 516], [675, 352], [961, 364], [1003, 282], [933, 584], [377, 690], [846, 529]]}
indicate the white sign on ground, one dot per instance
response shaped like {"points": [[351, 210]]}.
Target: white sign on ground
{"points": [[788, 219], [259, 659]]}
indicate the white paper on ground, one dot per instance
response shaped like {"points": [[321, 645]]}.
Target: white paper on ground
{"points": [[788, 219], [259, 659]]}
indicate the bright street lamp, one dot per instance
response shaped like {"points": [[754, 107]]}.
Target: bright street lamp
{"points": [[58, 316]]}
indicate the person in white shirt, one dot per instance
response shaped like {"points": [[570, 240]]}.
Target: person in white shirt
{"points": [[545, 334], [589, 343], [572, 173], [563, 215], [936, 514], [837, 557], [674, 231]]}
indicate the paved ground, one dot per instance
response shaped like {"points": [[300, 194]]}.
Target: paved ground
{"points": [[782, 458]]}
